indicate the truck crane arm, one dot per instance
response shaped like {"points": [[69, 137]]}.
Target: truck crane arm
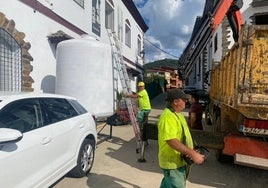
{"points": [[230, 8]]}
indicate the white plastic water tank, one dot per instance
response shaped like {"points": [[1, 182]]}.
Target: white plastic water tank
{"points": [[85, 71]]}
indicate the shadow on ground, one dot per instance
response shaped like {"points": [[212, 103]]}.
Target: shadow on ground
{"points": [[127, 153], [110, 181]]}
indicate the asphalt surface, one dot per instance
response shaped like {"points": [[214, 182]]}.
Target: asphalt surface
{"points": [[116, 164]]}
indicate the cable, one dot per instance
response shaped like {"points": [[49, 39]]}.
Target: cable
{"points": [[161, 49]]}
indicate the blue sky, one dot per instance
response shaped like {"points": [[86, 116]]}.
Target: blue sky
{"points": [[170, 25]]}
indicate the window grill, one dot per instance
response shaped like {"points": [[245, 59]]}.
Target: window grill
{"points": [[10, 63]]}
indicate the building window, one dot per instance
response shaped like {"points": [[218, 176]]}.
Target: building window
{"points": [[139, 45], [10, 63], [120, 24], [127, 33], [80, 3], [215, 43], [96, 17], [261, 19], [109, 16]]}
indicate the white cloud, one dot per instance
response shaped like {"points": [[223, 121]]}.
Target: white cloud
{"points": [[170, 24], [181, 43], [186, 29]]}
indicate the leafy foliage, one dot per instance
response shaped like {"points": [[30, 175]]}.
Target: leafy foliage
{"points": [[171, 63]]}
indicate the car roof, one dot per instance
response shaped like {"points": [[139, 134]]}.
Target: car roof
{"points": [[11, 96]]}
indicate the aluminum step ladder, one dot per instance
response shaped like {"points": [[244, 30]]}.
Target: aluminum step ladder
{"points": [[125, 82]]}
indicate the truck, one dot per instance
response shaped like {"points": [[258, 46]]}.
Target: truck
{"points": [[239, 98], [238, 88]]}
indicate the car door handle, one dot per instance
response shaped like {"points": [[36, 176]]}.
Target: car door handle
{"points": [[45, 140], [82, 125]]}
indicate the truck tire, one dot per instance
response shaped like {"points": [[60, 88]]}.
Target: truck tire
{"points": [[215, 118], [207, 116], [223, 158], [85, 159], [216, 122]]}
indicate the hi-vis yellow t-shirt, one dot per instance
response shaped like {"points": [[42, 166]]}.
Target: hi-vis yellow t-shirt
{"points": [[170, 127], [144, 101]]}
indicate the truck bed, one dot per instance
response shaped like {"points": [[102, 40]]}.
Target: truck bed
{"points": [[240, 81]]}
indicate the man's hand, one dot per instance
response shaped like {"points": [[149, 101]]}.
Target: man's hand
{"points": [[125, 94], [194, 155], [197, 157]]}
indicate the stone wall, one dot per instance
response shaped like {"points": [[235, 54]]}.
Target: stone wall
{"points": [[9, 26]]}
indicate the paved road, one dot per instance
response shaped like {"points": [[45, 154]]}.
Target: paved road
{"points": [[116, 166]]}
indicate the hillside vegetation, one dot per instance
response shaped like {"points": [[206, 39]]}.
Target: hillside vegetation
{"points": [[171, 63]]}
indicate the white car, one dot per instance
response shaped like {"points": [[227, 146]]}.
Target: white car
{"points": [[42, 138]]}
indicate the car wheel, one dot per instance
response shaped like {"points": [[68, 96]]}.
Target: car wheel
{"points": [[85, 159]]}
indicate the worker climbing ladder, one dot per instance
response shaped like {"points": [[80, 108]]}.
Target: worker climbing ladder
{"points": [[125, 82]]}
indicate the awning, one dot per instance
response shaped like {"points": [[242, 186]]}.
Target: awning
{"points": [[134, 72], [59, 36]]}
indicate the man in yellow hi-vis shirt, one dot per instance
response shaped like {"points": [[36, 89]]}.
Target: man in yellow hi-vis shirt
{"points": [[143, 100], [175, 140]]}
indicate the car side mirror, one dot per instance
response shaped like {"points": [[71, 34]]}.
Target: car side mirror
{"points": [[9, 136]]}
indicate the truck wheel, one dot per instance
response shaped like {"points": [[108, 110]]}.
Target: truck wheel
{"points": [[220, 157], [216, 123], [213, 119], [223, 158], [218, 154], [85, 159], [207, 116], [216, 120]]}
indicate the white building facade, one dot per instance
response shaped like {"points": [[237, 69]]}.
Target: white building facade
{"points": [[31, 29]]}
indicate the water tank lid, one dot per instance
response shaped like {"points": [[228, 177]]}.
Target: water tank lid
{"points": [[89, 36]]}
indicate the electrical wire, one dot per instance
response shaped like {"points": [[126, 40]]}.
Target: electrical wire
{"points": [[160, 48]]}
